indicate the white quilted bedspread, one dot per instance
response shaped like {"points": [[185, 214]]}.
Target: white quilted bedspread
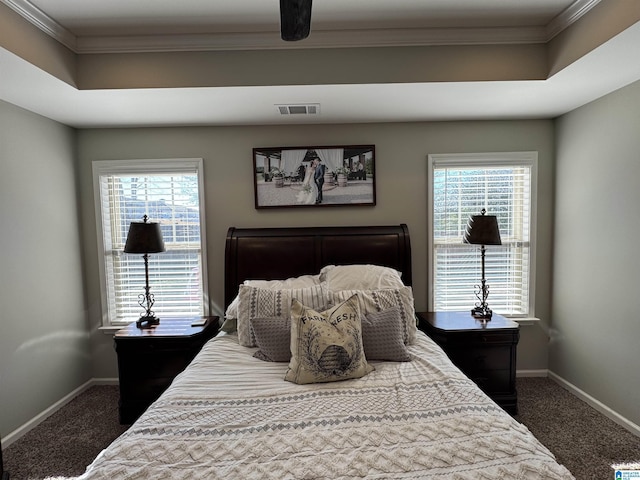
{"points": [[231, 416]]}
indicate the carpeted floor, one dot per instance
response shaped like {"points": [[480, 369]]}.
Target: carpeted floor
{"points": [[583, 440], [66, 442]]}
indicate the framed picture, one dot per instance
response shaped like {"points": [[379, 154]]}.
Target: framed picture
{"points": [[314, 176]]}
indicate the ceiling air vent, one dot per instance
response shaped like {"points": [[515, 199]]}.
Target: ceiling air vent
{"points": [[308, 109]]}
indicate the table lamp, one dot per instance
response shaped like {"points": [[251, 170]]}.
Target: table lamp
{"points": [[482, 230], [145, 238]]}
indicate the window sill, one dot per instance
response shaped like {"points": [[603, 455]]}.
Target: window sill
{"points": [[525, 321], [110, 329]]}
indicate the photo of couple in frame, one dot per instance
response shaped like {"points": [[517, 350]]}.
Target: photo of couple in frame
{"points": [[314, 176]]}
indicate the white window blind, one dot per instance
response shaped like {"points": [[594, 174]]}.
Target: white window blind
{"points": [[461, 186], [168, 192]]}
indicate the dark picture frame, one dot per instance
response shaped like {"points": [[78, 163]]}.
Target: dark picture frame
{"points": [[289, 177]]}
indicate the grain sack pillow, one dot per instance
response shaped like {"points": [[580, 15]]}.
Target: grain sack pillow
{"points": [[273, 338], [382, 336], [326, 346], [255, 302], [372, 301]]}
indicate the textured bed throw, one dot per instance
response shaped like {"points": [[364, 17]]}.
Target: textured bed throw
{"points": [[232, 416]]}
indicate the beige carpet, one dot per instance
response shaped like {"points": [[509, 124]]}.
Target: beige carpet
{"points": [[583, 440]]}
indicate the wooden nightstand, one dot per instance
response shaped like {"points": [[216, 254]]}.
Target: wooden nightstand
{"points": [[486, 354], [149, 359]]}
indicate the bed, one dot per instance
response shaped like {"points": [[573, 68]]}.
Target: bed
{"points": [[232, 414]]}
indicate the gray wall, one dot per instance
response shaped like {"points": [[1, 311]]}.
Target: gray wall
{"points": [[44, 348], [401, 166], [596, 325]]}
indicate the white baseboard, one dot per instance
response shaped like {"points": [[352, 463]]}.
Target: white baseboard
{"points": [[42, 416], [596, 404], [533, 373]]}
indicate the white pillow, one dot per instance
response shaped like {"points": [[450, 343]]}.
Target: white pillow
{"points": [[232, 309], [302, 281], [372, 301], [360, 277], [257, 302], [294, 282]]}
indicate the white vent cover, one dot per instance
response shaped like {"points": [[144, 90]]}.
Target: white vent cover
{"points": [[297, 109]]}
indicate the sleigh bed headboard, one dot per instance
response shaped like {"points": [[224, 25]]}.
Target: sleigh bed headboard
{"points": [[280, 253]]}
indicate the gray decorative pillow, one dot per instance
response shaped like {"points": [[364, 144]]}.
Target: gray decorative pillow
{"points": [[379, 300], [255, 302], [273, 338], [302, 281], [326, 346], [382, 336]]}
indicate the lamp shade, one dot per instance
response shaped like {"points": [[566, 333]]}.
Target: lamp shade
{"points": [[482, 230], [144, 237]]}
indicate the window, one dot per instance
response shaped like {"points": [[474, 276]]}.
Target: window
{"points": [[462, 185], [168, 192]]}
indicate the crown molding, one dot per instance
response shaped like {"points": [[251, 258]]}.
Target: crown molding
{"points": [[318, 39], [570, 15], [48, 25]]}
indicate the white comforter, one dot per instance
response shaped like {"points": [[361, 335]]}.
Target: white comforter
{"points": [[230, 415]]}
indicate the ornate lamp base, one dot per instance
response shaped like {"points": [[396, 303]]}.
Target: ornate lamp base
{"points": [[483, 312], [147, 321]]}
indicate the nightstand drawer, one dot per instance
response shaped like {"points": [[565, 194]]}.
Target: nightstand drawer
{"points": [[492, 338], [160, 364], [470, 360], [493, 381], [147, 389], [159, 344]]}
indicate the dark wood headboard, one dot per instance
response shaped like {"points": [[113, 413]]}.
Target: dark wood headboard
{"points": [[280, 253]]}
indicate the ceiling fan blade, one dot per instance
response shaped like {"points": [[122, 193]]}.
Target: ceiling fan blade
{"points": [[295, 19]]}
